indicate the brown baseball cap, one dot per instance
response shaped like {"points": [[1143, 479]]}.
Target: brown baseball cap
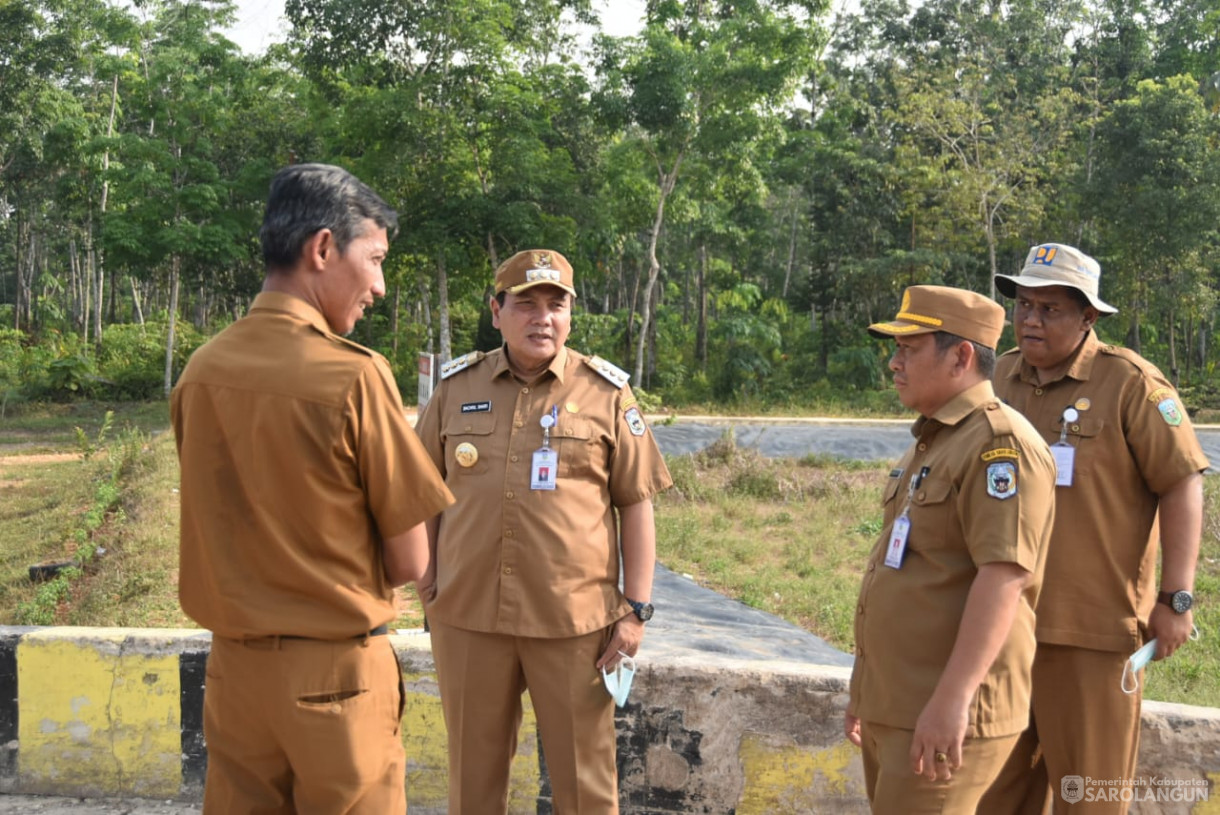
{"points": [[1057, 264], [926, 309], [534, 267]]}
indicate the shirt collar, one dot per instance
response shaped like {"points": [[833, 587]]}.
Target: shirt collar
{"points": [[1080, 369], [279, 301], [558, 366], [957, 408]]}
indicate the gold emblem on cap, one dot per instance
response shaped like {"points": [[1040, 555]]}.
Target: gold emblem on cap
{"points": [[466, 454], [542, 259], [572, 407], [1083, 403]]}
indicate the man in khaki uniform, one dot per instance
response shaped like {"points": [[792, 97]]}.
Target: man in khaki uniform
{"points": [[554, 471], [945, 622], [304, 493], [1125, 449]]}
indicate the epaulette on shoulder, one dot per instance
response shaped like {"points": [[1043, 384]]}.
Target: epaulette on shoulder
{"points": [[461, 363], [997, 416], [1130, 356], [617, 376], [355, 346]]}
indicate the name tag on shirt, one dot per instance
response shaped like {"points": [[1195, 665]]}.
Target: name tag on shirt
{"points": [[1065, 461], [543, 469], [897, 545]]}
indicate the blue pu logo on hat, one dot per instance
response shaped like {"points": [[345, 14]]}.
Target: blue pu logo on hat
{"points": [[1045, 255]]}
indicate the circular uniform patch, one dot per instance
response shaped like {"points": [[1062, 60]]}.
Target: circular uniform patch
{"points": [[1169, 411], [466, 454], [1001, 479], [635, 422]]}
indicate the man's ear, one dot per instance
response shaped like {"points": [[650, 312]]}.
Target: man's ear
{"points": [[1091, 316], [494, 304], [965, 356], [318, 248]]}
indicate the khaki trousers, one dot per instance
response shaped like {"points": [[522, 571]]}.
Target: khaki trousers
{"points": [[481, 678], [894, 790], [1085, 725], [303, 727]]}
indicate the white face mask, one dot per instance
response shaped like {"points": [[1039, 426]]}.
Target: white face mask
{"points": [[618, 683], [1135, 664]]}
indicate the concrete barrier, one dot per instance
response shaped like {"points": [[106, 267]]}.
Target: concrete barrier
{"points": [[117, 713]]}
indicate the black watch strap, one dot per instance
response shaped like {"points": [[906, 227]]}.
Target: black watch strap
{"points": [[642, 610], [1180, 601]]}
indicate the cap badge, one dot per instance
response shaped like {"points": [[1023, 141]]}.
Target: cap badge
{"points": [[536, 275], [1083, 403], [542, 259], [1045, 255]]}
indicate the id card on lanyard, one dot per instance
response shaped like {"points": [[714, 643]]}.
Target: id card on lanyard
{"points": [[545, 462], [896, 548]]}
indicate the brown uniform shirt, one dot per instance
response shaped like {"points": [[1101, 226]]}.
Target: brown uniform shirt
{"points": [[525, 562], [1133, 442], [985, 496], [296, 459]]}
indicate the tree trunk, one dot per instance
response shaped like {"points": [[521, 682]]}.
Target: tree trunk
{"points": [[135, 300], [1174, 374], [796, 210], [394, 322], [425, 301], [701, 304], [668, 180], [442, 297], [171, 319]]}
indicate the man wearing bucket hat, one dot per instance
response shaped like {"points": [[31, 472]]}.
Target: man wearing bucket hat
{"points": [[1125, 450], [945, 623], [552, 466]]}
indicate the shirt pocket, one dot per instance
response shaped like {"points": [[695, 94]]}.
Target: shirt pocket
{"points": [[932, 514], [468, 445], [574, 440], [1085, 434]]}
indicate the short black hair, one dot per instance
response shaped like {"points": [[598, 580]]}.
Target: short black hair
{"points": [[984, 357], [306, 198]]}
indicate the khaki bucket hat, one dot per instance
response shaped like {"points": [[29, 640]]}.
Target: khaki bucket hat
{"points": [[1056, 264]]}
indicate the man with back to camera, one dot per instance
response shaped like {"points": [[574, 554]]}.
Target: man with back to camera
{"points": [[1125, 451], [945, 625], [554, 471], [304, 492]]}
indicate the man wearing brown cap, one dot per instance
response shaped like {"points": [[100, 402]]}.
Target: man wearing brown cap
{"points": [[304, 494], [945, 623], [1125, 450], [554, 471]]}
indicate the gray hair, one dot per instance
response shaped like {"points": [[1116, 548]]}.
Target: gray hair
{"points": [[306, 198]]}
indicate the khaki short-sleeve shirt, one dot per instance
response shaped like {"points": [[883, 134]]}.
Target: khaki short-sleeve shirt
{"points": [[530, 562], [296, 459], [977, 485], [1133, 441]]}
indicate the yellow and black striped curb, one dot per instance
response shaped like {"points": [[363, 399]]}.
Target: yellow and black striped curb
{"points": [[109, 712]]}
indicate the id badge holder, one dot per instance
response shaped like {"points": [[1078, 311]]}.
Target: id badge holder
{"points": [[543, 468], [897, 545], [1064, 453], [1065, 460]]}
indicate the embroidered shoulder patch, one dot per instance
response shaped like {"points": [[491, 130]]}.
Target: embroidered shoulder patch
{"points": [[635, 422], [1002, 479], [1000, 452], [1170, 412], [1159, 394]]}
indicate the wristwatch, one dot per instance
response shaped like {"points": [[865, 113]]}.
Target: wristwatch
{"points": [[642, 610], [1179, 601]]}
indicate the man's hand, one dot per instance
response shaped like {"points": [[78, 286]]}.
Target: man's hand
{"points": [[1170, 629], [851, 729], [936, 747], [627, 636]]}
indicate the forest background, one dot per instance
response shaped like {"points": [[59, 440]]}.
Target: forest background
{"points": [[740, 186]]}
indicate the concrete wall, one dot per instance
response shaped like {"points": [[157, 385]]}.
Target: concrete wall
{"points": [[117, 712]]}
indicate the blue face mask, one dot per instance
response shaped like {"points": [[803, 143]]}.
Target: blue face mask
{"points": [[1136, 663], [618, 683]]}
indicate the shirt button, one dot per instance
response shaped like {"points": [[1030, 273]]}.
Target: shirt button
{"points": [[1075, 428], [872, 566], [919, 496], [468, 428], [860, 608], [923, 446], [518, 424], [1037, 391], [525, 390], [508, 494], [508, 569], [512, 458]]}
